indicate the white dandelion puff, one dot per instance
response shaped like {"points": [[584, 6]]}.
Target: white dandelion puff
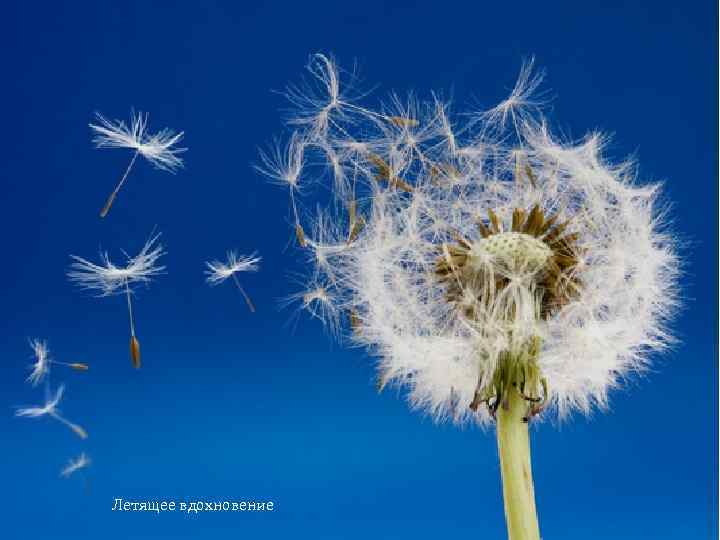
{"points": [[80, 462], [159, 148], [218, 271], [523, 237], [41, 366], [499, 271], [50, 408], [108, 279]]}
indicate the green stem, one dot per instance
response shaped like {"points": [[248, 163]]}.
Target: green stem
{"points": [[514, 450]]}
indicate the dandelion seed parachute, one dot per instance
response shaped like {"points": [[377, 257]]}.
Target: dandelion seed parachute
{"points": [[81, 462], [50, 408], [159, 148], [41, 366], [483, 250], [218, 271], [109, 279]]}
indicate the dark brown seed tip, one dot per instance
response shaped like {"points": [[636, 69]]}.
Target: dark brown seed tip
{"points": [[135, 352], [300, 234], [108, 205], [79, 367], [402, 121]]}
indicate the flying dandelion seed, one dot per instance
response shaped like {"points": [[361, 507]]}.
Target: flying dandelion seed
{"points": [[159, 148], [218, 271], [50, 408], [108, 279], [283, 165], [81, 462], [498, 271], [41, 367]]}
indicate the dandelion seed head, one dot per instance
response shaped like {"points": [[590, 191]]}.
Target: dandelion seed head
{"points": [[486, 246]]}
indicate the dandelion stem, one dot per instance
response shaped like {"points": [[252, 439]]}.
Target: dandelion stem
{"points": [[129, 303], [112, 196], [242, 291], [79, 431], [514, 450]]}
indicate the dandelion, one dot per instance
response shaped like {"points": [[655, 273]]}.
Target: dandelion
{"points": [[50, 408], [159, 148], [499, 273], [218, 271], [81, 462], [41, 366], [108, 279]]}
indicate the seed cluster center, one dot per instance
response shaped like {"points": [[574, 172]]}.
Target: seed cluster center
{"points": [[536, 250]]}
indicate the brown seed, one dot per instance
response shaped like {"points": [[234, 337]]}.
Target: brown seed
{"points": [[383, 169], [447, 170], [300, 235], [355, 229], [79, 431], [354, 321], [556, 232], [548, 224], [399, 183], [494, 220], [401, 121], [460, 240], [108, 204], [518, 219], [534, 220], [135, 352], [384, 173], [79, 367], [484, 231], [531, 175]]}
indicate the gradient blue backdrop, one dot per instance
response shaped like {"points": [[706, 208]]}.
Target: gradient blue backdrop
{"points": [[234, 406]]}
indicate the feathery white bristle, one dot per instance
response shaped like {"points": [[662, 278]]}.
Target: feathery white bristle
{"points": [[219, 271], [108, 278], [423, 178], [81, 462], [41, 366], [50, 406], [159, 148]]}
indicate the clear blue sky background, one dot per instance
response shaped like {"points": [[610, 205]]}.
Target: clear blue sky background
{"points": [[234, 406]]}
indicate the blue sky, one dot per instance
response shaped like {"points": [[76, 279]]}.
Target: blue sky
{"points": [[234, 406]]}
